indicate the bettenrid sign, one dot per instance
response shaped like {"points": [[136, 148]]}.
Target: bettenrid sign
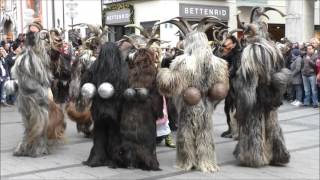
{"points": [[196, 11], [118, 16]]}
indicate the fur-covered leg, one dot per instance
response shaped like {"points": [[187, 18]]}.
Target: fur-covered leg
{"points": [[35, 141], [251, 148], [205, 148], [98, 156], [186, 158], [148, 160], [234, 126], [280, 154]]}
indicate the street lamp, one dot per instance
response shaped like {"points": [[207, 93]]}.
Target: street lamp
{"points": [[72, 13]]}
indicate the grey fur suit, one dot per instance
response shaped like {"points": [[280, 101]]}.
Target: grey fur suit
{"points": [[32, 71], [197, 67]]}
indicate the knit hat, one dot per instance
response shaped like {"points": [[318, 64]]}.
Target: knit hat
{"points": [[296, 52]]}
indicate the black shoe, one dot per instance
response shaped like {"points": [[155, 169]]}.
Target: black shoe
{"points": [[226, 134], [315, 106]]}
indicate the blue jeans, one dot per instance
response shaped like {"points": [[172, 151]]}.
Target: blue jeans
{"points": [[2, 92], [310, 81]]}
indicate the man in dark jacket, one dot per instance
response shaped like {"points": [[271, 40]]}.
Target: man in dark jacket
{"points": [[309, 77], [231, 52]]}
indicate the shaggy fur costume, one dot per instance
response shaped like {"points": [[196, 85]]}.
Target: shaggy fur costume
{"points": [[109, 67], [60, 66], [197, 67], [81, 116], [139, 115], [32, 71], [260, 82], [61, 70], [57, 125]]}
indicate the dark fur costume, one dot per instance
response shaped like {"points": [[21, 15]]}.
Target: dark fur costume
{"points": [[261, 81], [81, 116], [109, 67], [61, 70], [60, 66], [139, 115]]}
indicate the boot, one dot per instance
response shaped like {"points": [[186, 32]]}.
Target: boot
{"points": [[169, 141]]}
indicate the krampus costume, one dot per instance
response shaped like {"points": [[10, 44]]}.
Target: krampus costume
{"points": [[60, 66], [81, 63], [141, 108], [32, 70], [196, 73], [109, 75], [260, 82]]}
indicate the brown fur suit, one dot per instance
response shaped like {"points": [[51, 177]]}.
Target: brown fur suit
{"points": [[198, 68], [139, 114], [33, 74]]}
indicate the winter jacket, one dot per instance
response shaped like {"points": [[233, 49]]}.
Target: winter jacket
{"points": [[296, 67], [309, 65]]}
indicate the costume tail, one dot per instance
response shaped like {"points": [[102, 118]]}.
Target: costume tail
{"points": [[57, 125], [76, 116]]}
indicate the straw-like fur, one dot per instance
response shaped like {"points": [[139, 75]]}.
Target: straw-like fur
{"points": [[33, 73], [197, 67]]}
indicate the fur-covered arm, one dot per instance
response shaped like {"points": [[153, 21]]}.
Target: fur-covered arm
{"points": [[157, 104], [171, 81], [245, 90], [220, 72]]}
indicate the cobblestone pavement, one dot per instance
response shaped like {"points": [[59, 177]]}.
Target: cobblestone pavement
{"points": [[300, 126]]}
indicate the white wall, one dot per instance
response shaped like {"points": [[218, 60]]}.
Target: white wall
{"points": [[161, 10]]}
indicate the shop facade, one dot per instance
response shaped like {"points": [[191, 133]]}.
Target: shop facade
{"points": [[147, 12]]}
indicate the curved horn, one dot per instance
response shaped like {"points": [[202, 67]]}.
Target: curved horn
{"points": [[214, 34], [79, 24], [151, 41], [235, 30], [239, 22], [202, 23], [204, 20], [141, 29], [220, 34], [263, 14], [210, 25], [179, 24], [128, 39], [253, 11], [194, 26], [185, 22], [274, 9], [44, 34], [179, 33], [154, 30]]}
